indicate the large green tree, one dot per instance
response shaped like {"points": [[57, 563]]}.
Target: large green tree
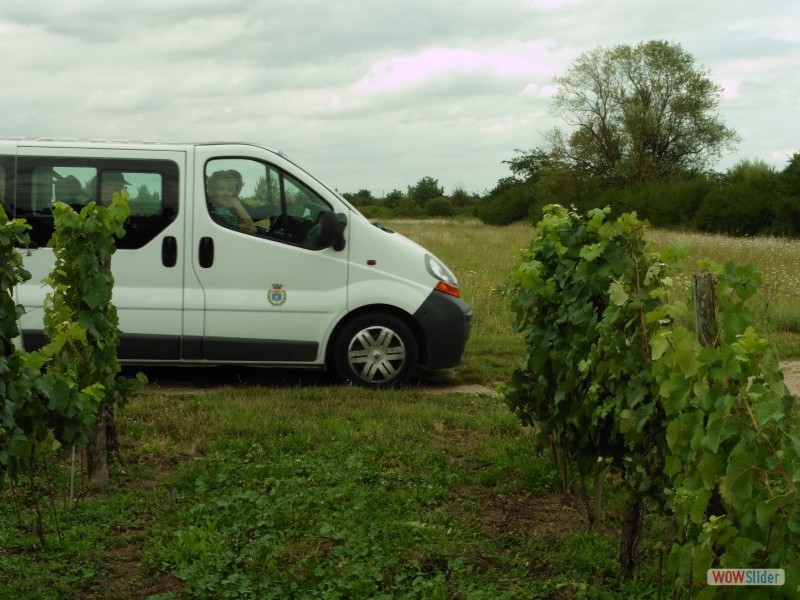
{"points": [[637, 113]]}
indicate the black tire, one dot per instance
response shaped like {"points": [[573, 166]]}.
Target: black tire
{"points": [[375, 350]]}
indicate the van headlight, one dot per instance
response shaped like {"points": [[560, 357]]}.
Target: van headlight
{"points": [[447, 281]]}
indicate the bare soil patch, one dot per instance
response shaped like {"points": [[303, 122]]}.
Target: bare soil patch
{"points": [[547, 517]]}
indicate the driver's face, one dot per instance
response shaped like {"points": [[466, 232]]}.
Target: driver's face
{"points": [[225, 190]]}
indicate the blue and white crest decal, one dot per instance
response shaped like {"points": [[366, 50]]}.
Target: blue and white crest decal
{"points": [[277, 295]]}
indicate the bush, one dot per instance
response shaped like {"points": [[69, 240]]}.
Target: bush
{"points": [[425, 190], [376, 211], [749, 201], [507, 206], [743, 209], [393, 199], [664, 203], [460, 198], [790, 176], [567, 187], [408, 208], [439, 207]]}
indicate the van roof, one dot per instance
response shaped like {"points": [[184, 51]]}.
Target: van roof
{"points": [[110, 143]]}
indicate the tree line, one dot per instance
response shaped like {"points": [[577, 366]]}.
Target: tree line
{"points": [[641, 133], [751, 198]]}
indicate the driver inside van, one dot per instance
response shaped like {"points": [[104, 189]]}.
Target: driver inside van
{"points": [[224, 204]]}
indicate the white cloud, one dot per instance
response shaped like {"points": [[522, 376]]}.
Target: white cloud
{"points": [[453, 74], [405, 71]]}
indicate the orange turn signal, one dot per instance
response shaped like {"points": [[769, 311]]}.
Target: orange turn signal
{"points": [[448, 289]]}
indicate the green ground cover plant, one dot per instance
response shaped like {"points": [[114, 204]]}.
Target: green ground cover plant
{"points": [[294, 491], [242, 483]]}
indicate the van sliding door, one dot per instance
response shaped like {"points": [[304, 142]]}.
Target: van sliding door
{"points": [[148, 266]]}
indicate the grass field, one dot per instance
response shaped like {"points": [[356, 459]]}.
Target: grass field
{"points": [[244, 483], [483, 257]]}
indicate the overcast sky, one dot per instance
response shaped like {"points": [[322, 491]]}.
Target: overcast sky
{"points": [[375, 94]]}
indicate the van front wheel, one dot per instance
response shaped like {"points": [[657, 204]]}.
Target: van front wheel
{"points": [[375, 350]]}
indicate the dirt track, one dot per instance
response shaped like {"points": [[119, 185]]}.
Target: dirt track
{"points": [[791, 375], [174, 380], [790, 368]]}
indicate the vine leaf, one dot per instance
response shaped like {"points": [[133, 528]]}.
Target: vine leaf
{"points": [[737, 484]]}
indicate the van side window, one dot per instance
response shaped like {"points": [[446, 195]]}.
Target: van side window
{"points": [[281, 207], [150, 185], [73, 186], [7, 184]]}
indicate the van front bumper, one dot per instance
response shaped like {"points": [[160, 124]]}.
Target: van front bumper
{"points": [[445, 324]]}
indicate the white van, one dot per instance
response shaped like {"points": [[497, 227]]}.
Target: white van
{"points": [[235, 254]]}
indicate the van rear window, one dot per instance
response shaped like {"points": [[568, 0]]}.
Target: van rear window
{"points": [[151, 188]]}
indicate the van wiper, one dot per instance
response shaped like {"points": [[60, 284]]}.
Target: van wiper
{"points": [[379, 226]]}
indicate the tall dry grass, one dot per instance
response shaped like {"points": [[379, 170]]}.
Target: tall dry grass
{"points": [[483, 256], [776, 305]]}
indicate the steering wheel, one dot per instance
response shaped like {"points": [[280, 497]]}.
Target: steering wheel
{"points": [[272, 228]]}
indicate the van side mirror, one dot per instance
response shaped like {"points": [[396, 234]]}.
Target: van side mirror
{"points": [[327, 234], [332, 230], [341, 223]]}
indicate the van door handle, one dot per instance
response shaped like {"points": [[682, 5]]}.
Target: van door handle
{"points": [[206, 254], [169, 251]]}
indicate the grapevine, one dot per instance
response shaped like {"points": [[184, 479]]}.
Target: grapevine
{"points": [[19, 415], [53, 396], [708, 435]]}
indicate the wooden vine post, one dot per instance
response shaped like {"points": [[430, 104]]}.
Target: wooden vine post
{"points": [[97, 451], [705, 311], [705, 317]]}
